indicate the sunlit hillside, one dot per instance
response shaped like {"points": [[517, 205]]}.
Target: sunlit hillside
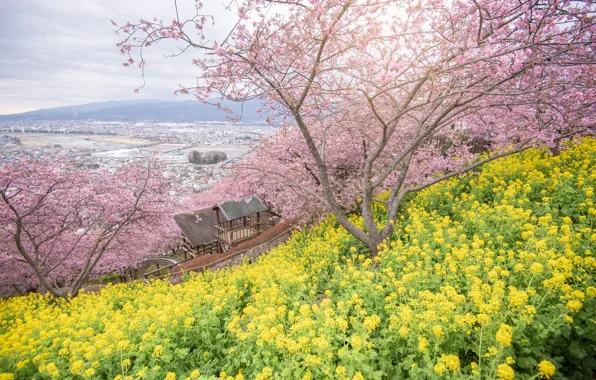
{"points": [[487, 276]]}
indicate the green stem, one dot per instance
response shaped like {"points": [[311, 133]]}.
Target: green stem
{"points": [[530, 283], [554, 320], [480, 354], [543, 297]]}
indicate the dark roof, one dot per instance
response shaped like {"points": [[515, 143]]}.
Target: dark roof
{"points": [[244, 207], [198, 226]]}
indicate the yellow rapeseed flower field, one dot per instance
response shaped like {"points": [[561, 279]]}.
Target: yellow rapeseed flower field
{"points": [[487, 276]]}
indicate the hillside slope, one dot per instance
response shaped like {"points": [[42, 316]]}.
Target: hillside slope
{"points": [[490, 275]]}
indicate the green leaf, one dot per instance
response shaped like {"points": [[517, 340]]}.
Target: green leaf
{"points": [[526, 362], [577, 351]]}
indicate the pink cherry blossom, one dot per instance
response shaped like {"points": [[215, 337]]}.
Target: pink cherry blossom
{"points": [[60, 226], [377, 95]]}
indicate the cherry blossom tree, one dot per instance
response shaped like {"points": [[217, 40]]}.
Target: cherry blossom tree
{"points": [[279, 168], [60, 225], [391, 95]]}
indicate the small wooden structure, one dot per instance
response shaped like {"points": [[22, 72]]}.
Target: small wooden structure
{"points": [[239, 221], [216, 229], [198, 232]]}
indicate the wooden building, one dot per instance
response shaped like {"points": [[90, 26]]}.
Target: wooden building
{"points": [[216, 229], [199, 234], [239, 221]]}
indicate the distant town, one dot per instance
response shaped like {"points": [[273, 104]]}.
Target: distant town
{"points": [[197, 153]]}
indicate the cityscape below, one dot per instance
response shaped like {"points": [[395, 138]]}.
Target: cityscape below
{"points": [[99, 144]]}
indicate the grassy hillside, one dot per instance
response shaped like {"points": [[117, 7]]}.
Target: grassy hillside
{"points": [[487, 276]]}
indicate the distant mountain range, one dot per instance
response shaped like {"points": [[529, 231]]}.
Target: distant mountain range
{"points": [[143, 110]]}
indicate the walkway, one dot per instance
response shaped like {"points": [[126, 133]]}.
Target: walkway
{"points": [[250, 249]]}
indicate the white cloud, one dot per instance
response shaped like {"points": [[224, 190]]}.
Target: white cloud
{"points": [[62, 52]]}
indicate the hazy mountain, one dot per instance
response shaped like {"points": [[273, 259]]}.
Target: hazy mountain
{"points": [[142, 110]]}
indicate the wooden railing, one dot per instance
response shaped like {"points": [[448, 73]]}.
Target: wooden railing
{"points": [[155, 274], [236, 230]]}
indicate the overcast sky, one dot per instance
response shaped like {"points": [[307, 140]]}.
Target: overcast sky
{"points": [[62, 52]]}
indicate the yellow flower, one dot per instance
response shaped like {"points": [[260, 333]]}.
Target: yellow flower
{"points": [[52, 370], [536, 268], [547, 369], [77, 366], [519, 267], [403, 331], [438, 331], [356, 342], [505, 372], [483, 318], [313, 360], [22, 363], [451, 361], [372, 322], [157, 351], [305, 310], [195, 374], [528, 313], [266, 373], [342, 323], [188, 322], [517, 297], [340, 371], [578, 294], [440, 368], [422, 344], [504, 335], [574, 305], [358, 376]]}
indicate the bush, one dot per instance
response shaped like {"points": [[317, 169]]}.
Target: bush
{"points": [[110, 278], [491, 275]]}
